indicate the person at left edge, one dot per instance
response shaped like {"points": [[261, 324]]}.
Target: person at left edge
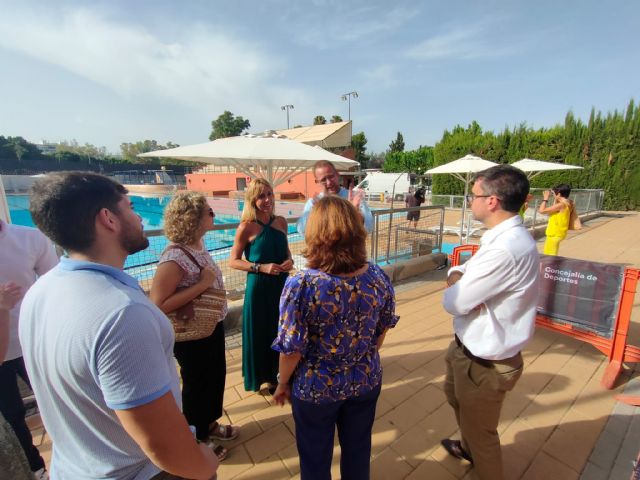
{"points": [[100, 354], [25, 254]]}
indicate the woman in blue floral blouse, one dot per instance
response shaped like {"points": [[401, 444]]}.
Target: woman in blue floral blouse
{"points": [[333, 319]]}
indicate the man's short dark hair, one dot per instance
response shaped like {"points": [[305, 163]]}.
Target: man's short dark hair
{"points": [[508, 183], [563, 189], [64, 206]]}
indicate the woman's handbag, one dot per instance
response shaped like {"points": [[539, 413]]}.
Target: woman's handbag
{"points": [[198, 318]]}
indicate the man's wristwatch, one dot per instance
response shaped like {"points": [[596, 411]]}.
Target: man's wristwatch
{"points": [[278, 380]]}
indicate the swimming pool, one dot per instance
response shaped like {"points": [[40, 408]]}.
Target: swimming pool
{"points": [[151, 209]]}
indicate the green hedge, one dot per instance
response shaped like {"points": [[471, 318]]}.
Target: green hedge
{"points": [[608, 147]]}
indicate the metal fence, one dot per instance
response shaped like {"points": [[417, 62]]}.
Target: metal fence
{"points": [[586, 201], [393, 237]]}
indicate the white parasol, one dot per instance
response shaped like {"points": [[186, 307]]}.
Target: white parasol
{"points": [[462, 169], [275, 158], [533, 168]]}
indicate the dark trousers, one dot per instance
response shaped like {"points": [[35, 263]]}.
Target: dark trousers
{"points": [[203, 368], [13, 409], [315, 427]]}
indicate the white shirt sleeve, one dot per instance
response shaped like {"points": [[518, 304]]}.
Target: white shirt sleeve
{"points": [[492, 273]]}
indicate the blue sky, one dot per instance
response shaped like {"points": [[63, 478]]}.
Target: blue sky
{"points": [[107, 72]]}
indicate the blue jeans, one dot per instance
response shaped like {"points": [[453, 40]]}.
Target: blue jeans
{"points": [[315, 427]]}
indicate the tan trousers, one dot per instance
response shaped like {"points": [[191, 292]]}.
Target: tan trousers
{"points": [[476, 394]]}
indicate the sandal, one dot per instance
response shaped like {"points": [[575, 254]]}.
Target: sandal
{"points": [[219, 451], [454, 448], [224, 432]]}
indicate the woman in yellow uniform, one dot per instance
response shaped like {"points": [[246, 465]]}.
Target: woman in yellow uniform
{"points": [[559, 216]]}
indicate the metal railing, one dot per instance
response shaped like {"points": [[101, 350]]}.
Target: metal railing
{"points": [[586, 201], [392, 238]]}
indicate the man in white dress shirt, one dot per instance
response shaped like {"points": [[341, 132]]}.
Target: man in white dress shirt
{"points": [[493, 300]]}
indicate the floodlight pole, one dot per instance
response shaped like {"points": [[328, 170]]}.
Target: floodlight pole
{"points": [[287, 108], [347, 97]]}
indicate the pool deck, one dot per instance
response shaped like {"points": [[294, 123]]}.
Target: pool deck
{"points": [[558, 423]]}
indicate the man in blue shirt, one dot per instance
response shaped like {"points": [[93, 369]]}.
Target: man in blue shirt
{"points": [[99, 353], [327, 176]]}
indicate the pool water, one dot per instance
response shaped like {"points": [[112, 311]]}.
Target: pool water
{"points": [[151, 209]]}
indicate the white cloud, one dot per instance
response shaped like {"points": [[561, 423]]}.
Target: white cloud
{"points": [[381, 76], [204, 68], [340, 24], [462, 42]]}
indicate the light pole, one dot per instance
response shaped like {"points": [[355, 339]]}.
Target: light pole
{"points": [[287, 108], [347, 97]]}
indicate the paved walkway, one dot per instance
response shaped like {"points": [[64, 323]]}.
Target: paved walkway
{"points": [[558, 423]]}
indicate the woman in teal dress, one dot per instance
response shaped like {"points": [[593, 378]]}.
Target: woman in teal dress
{"points": [[262, 238]]}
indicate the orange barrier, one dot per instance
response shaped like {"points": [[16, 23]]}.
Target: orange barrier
{"points": [[615, 348]]}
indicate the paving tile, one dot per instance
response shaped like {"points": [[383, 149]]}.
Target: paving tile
{"points": [[231, 396], [545, 467], [514, 464], [415, 408], [290, 458], [572, 442], [236, 462], [419, 441], [432, 470], [246, 407], [606, 450], [382, 435], [388, 466], [270, 442], [594, 472], [620, 471], [272, 468], [249, 429], [520, 438], [269, 417], [382, 407]]}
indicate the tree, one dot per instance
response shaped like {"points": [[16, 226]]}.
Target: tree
{"points": [[413, 161], [376, 160], [397, 145], [336, 119], [319, 120], [19, 146], [130, 151], [228, 125], [358, 143]]}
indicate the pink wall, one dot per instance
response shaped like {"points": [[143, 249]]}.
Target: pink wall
{"points": [[303, 183]]}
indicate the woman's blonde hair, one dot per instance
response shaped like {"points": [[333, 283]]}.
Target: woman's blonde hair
{"points": [[183, 215], [335, 236], [255, 188]]}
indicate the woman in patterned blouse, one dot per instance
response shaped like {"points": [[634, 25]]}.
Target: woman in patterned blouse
{"points": [[333, 319]]}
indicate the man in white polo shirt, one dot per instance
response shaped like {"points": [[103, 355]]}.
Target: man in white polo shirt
{"points": [[100, 354], [493, 300]]}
